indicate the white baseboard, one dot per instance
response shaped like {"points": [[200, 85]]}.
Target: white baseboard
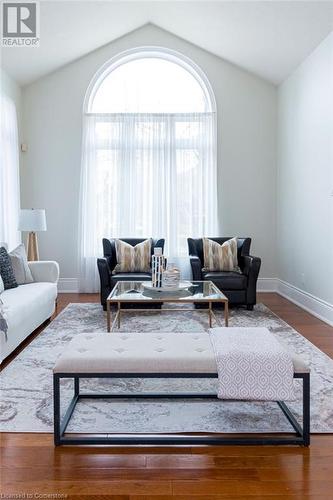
{"points": [[68, 285], [315, 306], [267, 285]]}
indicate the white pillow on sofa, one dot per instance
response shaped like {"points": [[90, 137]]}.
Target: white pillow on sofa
{"points": [[20, 265]]}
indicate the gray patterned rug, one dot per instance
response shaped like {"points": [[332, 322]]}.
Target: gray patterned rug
{"points": [[26, 384]]}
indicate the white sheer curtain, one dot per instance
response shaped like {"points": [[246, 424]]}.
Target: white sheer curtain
{"points": [[146, 175], [9, 174]]}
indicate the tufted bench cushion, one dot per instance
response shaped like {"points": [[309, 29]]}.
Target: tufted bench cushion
{"points": [[143, 353]]}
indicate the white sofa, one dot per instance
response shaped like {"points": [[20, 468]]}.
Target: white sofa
{"points": [[28, 306]]}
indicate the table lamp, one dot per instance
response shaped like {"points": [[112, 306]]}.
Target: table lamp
{"points": [[32, 220]]}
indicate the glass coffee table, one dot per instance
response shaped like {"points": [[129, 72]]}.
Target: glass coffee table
{"points": [[198, 292]]}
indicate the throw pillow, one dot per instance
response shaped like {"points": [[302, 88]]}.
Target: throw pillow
{"points": [[220, 257], [20, 265], [2, 286], [6, 270], [135, 259]]}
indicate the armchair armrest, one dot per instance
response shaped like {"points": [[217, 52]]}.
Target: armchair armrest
{"points": [[251, 270], [196, 267], [251, 264], [104, 271], [44, 270]]}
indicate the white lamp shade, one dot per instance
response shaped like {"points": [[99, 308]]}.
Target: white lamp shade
{"points": [[32, 220]]}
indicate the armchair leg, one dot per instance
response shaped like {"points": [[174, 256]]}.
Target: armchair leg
{"points": [[249, 307]]}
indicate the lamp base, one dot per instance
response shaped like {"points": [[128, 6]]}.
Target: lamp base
{"points": [[32, 246]]}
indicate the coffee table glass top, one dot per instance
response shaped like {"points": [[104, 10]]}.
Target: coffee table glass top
{"points": [[198, 291]]}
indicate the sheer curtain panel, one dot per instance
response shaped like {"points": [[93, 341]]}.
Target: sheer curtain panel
{"points": [[143, 175], [9, 174]]}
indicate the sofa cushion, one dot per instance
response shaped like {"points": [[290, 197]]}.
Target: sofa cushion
{"points": [[24, 301], [26, 308], [226, 280], [6, 270]]}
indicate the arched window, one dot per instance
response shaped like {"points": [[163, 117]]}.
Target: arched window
{"points": [[149, 155], [149, 84]]}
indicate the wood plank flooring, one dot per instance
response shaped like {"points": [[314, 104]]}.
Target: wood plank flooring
{"points": [[33, 468]]}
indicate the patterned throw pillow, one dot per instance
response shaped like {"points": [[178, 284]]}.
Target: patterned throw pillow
{"points": [[6, 270], [220, 257], [133, 259]]}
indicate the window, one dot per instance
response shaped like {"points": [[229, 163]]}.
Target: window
{"points": [[149, 156], [149, 85]]}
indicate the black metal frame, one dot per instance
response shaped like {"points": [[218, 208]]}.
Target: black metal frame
{"points": [[300, 437]]}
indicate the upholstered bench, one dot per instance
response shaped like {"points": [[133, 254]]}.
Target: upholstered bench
{"points": [[155, 355]]}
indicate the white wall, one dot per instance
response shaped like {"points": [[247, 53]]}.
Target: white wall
{"points": [[10, 88], [305, 179], [246, 149]]}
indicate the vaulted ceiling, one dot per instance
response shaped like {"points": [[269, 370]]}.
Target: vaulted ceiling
{"points": [[267, 38]]}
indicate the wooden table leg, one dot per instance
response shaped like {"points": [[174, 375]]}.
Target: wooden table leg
{"points": [[108, 316], [226, 313], [210, 315]]}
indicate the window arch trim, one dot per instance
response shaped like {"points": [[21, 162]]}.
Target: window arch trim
{"points": [[145, 52]]}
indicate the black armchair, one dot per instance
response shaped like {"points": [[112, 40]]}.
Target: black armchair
{"points": [[107, 264], [240, 288]]}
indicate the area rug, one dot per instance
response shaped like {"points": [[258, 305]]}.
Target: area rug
{"points": [[26, 383]]}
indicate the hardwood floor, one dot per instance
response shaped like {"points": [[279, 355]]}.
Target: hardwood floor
{"points": [[31, 466]]}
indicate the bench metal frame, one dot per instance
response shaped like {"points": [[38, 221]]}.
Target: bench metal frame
{"points": [[301, 436]]}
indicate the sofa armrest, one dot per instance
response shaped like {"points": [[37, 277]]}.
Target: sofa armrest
{"points": [[196, 267], [44, 270], [251, 270]]}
